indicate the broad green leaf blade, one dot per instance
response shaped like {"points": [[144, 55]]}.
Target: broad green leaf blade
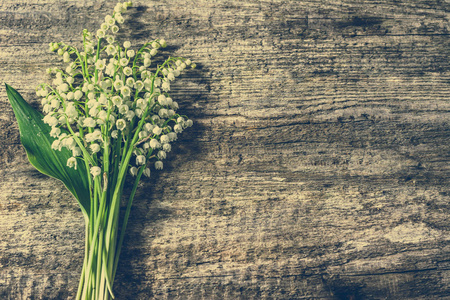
{"points": [[35, 137]]}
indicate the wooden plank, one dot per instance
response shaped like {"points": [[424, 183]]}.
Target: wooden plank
{"points": [[317, 168]]}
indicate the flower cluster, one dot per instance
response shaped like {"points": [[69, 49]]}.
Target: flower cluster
{"points": [[108, 97]]}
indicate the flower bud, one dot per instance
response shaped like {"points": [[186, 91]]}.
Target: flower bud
{"points": [[66, 57]]}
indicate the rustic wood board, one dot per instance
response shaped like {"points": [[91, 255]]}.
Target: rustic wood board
{"points": [[317, 168]]}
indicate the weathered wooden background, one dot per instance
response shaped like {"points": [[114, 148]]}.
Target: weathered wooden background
{"points": [[317, 167]]}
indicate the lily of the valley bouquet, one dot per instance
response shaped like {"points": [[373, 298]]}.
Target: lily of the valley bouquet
{"points": [[108, 115]]}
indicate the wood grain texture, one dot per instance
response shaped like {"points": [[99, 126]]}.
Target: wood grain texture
{"points": [[317, 168]]}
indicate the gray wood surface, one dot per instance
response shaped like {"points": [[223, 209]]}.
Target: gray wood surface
{"points": [[317, 167]]}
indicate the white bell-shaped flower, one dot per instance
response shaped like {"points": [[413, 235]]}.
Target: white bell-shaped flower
{"points": [[72, 162], [89, 122], [133, 171], [94, 148], [96, 171], [157, 130], [162, 154], [140, 160], [121, 124], [159, 165], [167, 147], [164, 139], [154, 144]]}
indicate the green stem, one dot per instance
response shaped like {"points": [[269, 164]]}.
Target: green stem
{"points": [[125, 222], [94, 240], [96, 58], [86, 247], [99, 263]]}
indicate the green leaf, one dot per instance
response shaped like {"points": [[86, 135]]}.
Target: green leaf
{"points": [[35, 137]]}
